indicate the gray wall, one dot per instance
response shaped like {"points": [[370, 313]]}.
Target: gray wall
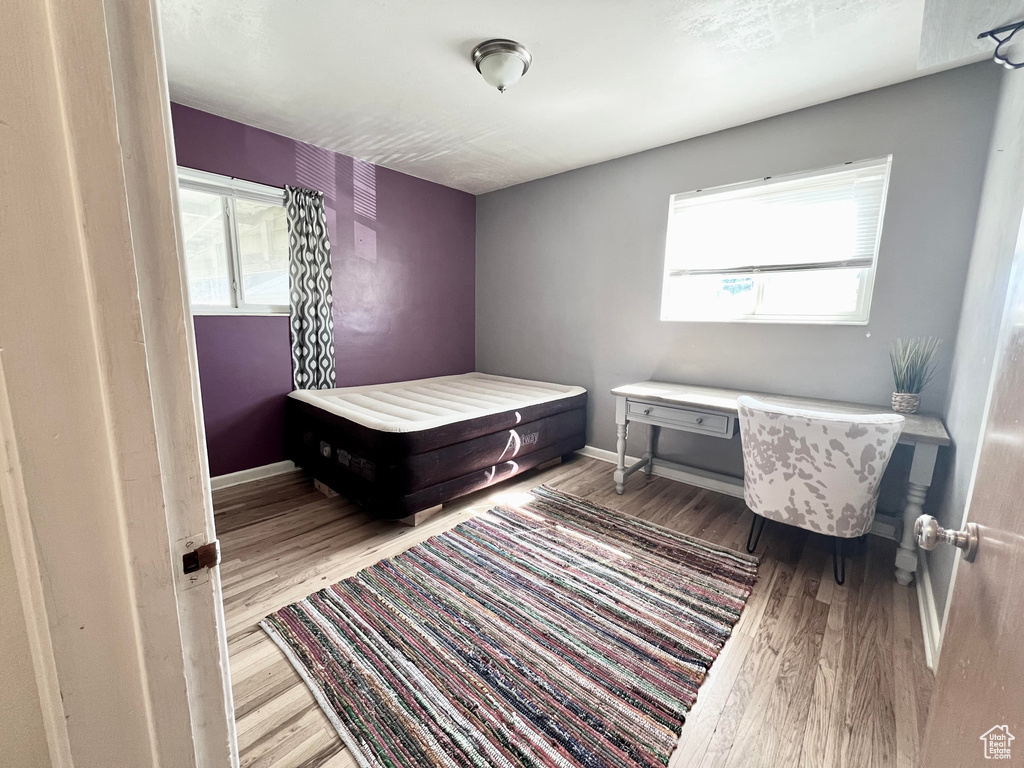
{"points": [[569, 267], [999, 219]]}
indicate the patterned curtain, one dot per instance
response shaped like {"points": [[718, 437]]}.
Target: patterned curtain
{"points": [[309, 267]]}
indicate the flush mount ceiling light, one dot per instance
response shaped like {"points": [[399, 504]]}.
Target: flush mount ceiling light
{"points": [[502, 62], [1007, 53]]}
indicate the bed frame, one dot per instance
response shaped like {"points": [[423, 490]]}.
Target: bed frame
{"points": [[408, 475]]}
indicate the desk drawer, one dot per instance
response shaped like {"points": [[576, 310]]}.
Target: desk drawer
{"points": [[680, 418]]}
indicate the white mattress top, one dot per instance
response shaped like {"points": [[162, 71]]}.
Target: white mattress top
{"points": [[410, 406]]}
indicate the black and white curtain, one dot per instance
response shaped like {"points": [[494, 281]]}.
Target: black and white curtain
{"points": [[309, 268]]}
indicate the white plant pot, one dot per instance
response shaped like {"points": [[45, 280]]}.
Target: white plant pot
{"points": [[905, 402]]}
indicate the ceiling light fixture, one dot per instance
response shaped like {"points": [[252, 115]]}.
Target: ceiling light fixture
{"points": [[502, 62], [1003, 36]]}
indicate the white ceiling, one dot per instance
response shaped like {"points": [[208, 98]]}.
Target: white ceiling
{"points": [[391, 81]]}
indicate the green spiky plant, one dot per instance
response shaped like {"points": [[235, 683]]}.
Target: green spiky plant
{"points": [[913, 364]]}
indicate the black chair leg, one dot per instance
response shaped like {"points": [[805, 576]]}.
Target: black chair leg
{"points": [[760, 530], [838, 560]]}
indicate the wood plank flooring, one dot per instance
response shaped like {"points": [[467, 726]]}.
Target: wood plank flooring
{"points": [[814, 674]]}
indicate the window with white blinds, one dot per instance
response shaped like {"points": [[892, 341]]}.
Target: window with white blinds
{"points": [[800, 248]]}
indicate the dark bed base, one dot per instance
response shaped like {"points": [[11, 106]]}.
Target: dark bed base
{"points": [[392, 479]]}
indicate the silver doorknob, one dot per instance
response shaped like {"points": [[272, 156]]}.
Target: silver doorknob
{"points": [[929, 533]]}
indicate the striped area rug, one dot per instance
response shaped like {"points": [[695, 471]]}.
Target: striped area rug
{"points": [[556, 633]]}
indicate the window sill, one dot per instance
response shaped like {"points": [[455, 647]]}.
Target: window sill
{"points": [[770, 320], [240, 312]]}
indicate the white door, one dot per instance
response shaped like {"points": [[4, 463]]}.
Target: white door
{"points": [[102, 464], [977, 710], [144, 126]]}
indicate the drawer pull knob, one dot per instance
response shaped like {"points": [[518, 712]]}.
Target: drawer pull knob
{"points": [[647, 411], [700, 419]]}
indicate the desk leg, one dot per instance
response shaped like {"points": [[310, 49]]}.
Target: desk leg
{"points": [[921, 470], [620, 444], [652, 448]]}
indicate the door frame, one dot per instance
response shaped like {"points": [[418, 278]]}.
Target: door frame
{"points": [[103, 467], [151, 182]]}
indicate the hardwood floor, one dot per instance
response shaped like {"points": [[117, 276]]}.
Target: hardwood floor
{"points": [[814, 674]]}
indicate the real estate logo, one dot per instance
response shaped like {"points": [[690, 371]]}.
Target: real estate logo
{"points": [[997, 742]]}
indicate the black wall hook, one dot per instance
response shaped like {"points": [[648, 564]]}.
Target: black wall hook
{"points": [[1002, 36]]}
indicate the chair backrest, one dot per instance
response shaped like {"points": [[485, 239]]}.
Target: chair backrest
{"points": [[812, 469]]}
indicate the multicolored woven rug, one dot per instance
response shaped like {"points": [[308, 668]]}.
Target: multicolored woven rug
{"points": [[556, 633]]}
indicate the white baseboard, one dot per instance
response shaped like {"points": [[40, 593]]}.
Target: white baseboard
{"points": [[603, 455], [886, 524], [929, 613], [248, 475], [713, 481]]}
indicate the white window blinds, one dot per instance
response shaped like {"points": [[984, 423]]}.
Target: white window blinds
{"points": [[726, 242]]}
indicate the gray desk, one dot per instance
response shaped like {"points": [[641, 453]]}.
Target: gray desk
{"points": [[712, 411]]}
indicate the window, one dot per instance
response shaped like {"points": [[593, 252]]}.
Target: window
{"points": [[790, 249], [236, 244]]}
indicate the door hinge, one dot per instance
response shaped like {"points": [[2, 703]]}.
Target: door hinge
{"points": [[205, 556]]}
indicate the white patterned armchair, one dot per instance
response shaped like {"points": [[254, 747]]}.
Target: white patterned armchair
{"points": [[815, 470]]}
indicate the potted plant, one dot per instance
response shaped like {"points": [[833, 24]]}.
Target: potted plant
{"points": [[913, 366]]}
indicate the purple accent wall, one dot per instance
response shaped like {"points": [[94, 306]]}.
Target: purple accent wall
{"points": [[404, 284]]}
